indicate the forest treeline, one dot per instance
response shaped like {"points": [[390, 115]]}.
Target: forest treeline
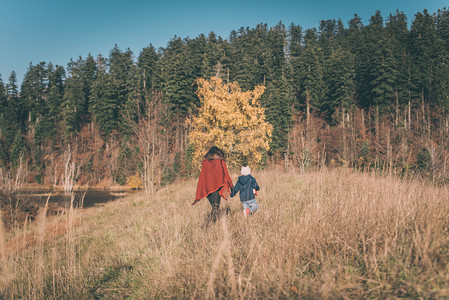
{"points": [[361, 95]]}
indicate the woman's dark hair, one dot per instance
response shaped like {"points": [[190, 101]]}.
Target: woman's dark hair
{"points": [[215, 151]]}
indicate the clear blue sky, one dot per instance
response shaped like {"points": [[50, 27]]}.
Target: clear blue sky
{"points": [[57, 30]]}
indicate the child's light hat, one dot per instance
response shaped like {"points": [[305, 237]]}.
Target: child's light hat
{"points": [[245, 171]]}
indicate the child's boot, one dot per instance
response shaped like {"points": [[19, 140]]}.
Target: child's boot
{"points": [[246, 212]]}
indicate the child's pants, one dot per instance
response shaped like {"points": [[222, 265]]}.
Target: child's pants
{"points": [[251, 204]]}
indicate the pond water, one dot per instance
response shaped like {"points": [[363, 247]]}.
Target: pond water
{"points": [[81, 198]]}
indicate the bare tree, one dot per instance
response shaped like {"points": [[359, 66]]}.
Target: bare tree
{"points": [[10, 185], [71, 171], [145, 122]]}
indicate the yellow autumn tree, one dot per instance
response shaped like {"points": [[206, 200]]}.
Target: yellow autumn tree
{"points": [[230, 119]]}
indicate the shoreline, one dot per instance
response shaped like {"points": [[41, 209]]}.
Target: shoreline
{"points": [[32, 187]]}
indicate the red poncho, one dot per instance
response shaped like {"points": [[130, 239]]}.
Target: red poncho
{"points": [[214, 175]]}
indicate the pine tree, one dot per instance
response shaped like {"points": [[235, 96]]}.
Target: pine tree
{"points": [[311, 74], [382, 72], [4, 158], [355, 42], [397, 34], [197, 53], [376, 66], [74, 99], [278, 98], [277, 101], [103, 102], [251, 56], [147, 63], [3, 105], [135, 100], [340, 79], [338, 69], [55, 95], [441, 78], [295, 41], [88, 73], [18, 150], [122, 75], [383, 78], [33, 90], [13, 114], [295, 51], [177, 75], [328, 31], [422, 52], [215, 59]]}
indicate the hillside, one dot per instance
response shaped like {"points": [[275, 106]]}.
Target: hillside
{"points": [[324, 234]]}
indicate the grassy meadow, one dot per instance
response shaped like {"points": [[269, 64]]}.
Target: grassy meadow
{"points": [[317, 235]]}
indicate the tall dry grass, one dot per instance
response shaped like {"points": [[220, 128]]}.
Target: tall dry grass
{"points": [[324, 234]]}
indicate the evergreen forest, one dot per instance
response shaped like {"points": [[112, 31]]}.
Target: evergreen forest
{"points": [[368, 95]]}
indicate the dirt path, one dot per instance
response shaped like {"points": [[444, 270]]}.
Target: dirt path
{"points": [[224, 247]]}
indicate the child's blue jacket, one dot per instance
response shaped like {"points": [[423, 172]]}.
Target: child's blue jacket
{"points": [[245, 184]]}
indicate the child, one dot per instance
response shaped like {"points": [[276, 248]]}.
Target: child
{"points": [[247, 185]]}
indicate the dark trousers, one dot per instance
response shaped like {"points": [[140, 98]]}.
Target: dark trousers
{"points": [[214, 200]]}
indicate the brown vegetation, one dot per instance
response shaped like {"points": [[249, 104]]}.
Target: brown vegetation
{"points": [[323, 234], [409, 142]]}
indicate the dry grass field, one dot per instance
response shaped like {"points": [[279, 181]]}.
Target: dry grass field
{"points": [[317, 235]]}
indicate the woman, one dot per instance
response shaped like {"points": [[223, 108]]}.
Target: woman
{"points": [[214, 181]]}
